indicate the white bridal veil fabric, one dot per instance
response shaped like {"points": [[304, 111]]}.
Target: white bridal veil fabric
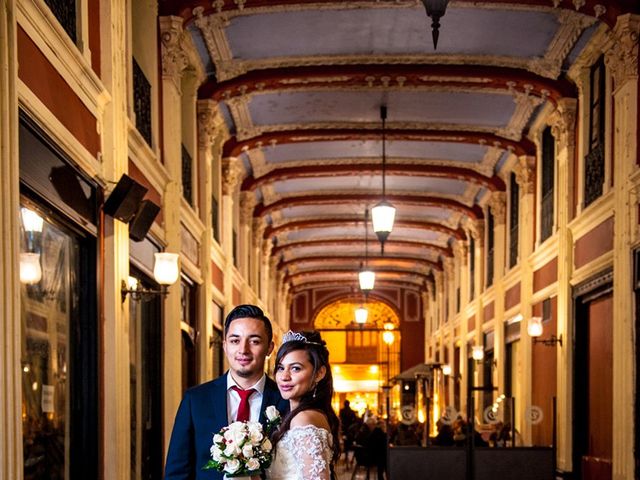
{"points": [[303, 453]]}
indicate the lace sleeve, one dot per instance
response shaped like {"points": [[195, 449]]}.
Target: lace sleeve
{"points": [[311, 447]]}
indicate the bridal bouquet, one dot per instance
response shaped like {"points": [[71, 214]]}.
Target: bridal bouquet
{"points": [[242, 449]]}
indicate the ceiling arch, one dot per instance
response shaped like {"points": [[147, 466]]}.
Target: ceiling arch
{"points": [[300, 83]]}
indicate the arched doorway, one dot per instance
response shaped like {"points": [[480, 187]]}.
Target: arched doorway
{"points": [[363, 357]]}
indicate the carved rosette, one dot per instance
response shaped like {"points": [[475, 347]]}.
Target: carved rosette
{"points": [[209, 121], [525, 171], [247, 204], [498, 206], [563, 123], [622, 57], [232, 172], [174, 57]]}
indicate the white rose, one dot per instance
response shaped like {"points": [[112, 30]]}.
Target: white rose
{"points": [[266, 445], [255, 437], [247, 451], [232, 466], [253, 464], [232, 450], [272, 413], [217, 438], [235, 436], [216, 453]]}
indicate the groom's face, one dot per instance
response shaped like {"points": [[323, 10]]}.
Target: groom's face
{"points": [[246, 346]]}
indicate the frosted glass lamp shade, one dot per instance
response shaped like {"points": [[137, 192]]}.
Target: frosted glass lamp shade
{"points": [[361, 315], [367, 279], [534, 327], [166, 270], [388, 337], [30, 269], [31, 221], [477, 352], [383, 216], [446, 369]]}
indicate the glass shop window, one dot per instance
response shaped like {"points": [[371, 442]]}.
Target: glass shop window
{"points": [[54, 327]]}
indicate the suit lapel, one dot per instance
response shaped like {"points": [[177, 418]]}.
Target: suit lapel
{"points": [[219, 402]]}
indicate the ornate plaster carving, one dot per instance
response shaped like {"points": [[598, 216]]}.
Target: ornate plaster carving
{"points": [[622, 57], [247, 204], [174, 55], [526, 103], [257, 231], [232, 172], [563, 122], [525, 171], [498, 206], [209, 123]]}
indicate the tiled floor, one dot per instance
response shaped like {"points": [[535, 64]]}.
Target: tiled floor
{"points": [[344, 474]]}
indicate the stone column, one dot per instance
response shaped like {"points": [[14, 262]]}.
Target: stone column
{"points": [[525, 176], [232, 172], [247, 204], [622, 60], [497, 204], [10, 334], [174, 61], [476, 230], [563, 123], [209, 125], [116, 422]]}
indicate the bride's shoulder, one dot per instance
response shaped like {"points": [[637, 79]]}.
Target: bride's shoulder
{"points": [[310, 417]]}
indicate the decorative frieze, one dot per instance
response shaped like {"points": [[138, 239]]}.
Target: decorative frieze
{"points": [[232, 172]]}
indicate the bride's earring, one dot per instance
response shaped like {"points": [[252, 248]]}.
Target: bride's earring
{"points": [[315, 389]]}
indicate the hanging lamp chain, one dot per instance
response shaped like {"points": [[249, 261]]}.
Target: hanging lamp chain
{"points": [[383, 116]]}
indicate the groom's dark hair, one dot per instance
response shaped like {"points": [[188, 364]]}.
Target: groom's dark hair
{"points": [[249, 311]]}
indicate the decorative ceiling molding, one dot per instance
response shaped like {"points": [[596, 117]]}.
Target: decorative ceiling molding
{"points": [[460, 77], [233, 147], [474, 212], [375, 261], [360, 243], [277, 174], [272, 231]]}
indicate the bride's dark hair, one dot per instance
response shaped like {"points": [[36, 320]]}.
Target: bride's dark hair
{"points": [[318, 398]]}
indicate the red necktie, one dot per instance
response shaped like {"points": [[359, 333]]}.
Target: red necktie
{"points": [[244, 411]]}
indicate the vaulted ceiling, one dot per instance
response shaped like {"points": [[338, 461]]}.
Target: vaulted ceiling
{"points": [[300, 85]]}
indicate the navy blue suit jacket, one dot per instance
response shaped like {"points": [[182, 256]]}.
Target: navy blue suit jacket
{"points": [[202, 413]]}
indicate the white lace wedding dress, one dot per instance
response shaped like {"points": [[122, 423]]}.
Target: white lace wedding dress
{"points": [[303, 453]]}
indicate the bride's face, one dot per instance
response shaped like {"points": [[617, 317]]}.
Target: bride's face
{"points": [[294, 375]]}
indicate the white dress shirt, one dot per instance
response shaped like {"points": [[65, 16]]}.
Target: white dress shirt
{"points": [[255, 400]]}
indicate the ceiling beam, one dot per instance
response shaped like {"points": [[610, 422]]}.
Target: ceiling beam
{"points": [[494, 183], [375, 261], [281, 248], [475, 212], [272, 231], [233, 147]]}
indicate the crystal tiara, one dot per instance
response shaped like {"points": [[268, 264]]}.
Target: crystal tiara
{"points": [[291, 336]]}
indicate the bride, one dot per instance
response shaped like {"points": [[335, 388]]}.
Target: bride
{"points": [[306, 444]]}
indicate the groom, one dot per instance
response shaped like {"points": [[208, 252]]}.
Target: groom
{"points": [[243, 393]]}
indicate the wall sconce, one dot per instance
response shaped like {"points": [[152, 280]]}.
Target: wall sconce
{"points": [[31, 221], [30, 269], [446, 369], [534, 329], [165, 272], [477, 352], [388, 337]]}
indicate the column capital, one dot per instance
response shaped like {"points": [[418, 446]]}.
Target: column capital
{"points": [[460, 250], [232, 171], [174, 56], [498, 206], [563, 122], [448, 266], [622, 57], [525, 173], [257, 232], [247, 204], [209, 122], [267, 246]]}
